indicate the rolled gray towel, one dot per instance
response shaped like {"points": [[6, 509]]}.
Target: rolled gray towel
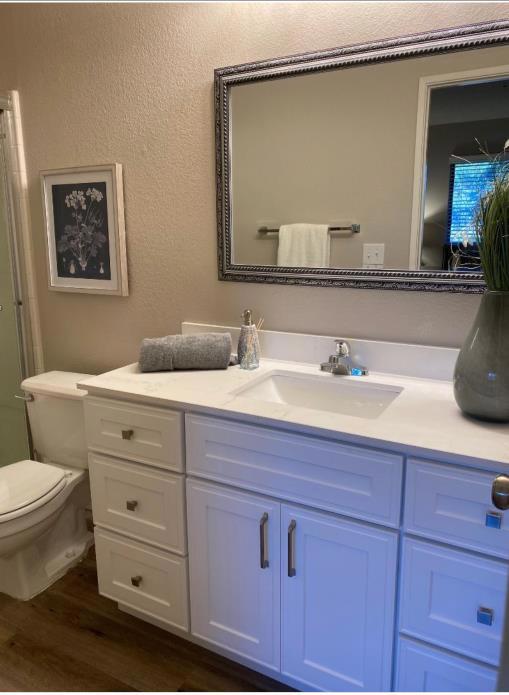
{"points": [[201, 351]]}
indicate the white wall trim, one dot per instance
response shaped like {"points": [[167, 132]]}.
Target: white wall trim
{"points": [[426, 84], [17, 192]]}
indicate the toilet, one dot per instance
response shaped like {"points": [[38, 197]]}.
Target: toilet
{"points": [[43, 503]]}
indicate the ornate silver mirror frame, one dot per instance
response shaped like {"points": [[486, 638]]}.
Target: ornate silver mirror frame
{"points": [[415, 45]]}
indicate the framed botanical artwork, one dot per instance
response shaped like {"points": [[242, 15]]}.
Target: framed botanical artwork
{"points": [[85, 229]]}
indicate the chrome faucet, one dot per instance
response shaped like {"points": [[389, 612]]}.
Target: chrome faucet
{"points": [[341, 364]]}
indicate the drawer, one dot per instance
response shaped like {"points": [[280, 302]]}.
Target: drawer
{"points": [[136, 432], [454, 505], [146, 503], [148, 580], [351, 480], [448, 596], [424, 669]]}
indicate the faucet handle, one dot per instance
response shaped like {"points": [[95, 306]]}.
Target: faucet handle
{"points": [[342, 347]]}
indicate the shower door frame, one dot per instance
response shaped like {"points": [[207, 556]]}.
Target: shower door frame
{"points": [[13, 178], [13, 247]]}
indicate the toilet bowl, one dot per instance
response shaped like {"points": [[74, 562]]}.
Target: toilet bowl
{"points": [[43, 504]]}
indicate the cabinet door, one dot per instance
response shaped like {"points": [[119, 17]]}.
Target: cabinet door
{"points": [[338, 593], [234, 561]]}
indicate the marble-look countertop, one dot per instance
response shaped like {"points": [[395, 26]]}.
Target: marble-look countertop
{"points": [[423, 420]]}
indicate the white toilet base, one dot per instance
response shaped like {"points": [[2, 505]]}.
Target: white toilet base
{"points": [[64, 541]]}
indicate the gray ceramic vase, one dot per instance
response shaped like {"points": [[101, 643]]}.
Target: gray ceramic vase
{"points": [[481, 376]]}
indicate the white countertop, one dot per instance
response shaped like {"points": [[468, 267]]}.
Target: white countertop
{"points": [[424, 419]]}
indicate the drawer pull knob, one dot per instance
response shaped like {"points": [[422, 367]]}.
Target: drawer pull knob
{"points": [[127, 434], [500, 492], [131, 505], [485, 615], [136, 580], [494, 519]]}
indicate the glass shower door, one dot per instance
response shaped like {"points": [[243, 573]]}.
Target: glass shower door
{"points": [[13, 426]]}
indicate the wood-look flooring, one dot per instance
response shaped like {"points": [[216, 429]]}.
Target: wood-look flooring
{"points": [[71, 639]]}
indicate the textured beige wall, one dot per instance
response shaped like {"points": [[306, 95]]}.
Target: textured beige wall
{"points": [[133, 84], [334, 146]]}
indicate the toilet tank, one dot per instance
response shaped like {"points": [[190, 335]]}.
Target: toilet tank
{"points": [[56, 418]]}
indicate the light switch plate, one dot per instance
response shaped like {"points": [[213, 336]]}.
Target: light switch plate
{"points": [[373, 255]]}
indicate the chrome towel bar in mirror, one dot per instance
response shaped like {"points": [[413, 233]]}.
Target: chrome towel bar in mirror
{"points": [[353, 228]]}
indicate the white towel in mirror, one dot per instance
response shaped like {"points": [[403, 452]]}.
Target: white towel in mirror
{"points": [[304, 246]]}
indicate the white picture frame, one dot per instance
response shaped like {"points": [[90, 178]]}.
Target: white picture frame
{"points": [[85, 229]]}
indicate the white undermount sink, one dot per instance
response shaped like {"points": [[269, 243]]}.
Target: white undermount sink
{"points": [[334, 394]]}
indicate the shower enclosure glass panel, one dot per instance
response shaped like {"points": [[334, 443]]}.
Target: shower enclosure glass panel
{"points": [[13, 426]]}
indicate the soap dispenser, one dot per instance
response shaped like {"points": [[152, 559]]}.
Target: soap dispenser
{"points": [[248, 351]]}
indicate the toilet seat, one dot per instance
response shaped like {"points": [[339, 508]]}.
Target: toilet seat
{"points": [[27, 485]]}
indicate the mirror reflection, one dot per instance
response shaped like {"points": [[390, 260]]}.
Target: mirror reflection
{"points": [[376, 166], [468, 126]]}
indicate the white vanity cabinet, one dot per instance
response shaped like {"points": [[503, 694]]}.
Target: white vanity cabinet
{"points": [[234, 556], [453, 582], [337, 577], [136, 461], [329, 565], [267, 578], [338, 593], [136, 432], [451, 504], [422, 668]]}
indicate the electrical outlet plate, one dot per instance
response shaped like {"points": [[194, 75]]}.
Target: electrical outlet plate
{"points": [[373, 255]]}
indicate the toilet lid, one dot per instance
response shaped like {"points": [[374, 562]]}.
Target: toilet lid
{"points": [[25, 482]]}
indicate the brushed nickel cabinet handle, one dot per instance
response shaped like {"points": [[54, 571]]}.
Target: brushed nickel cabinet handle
{"points": [[127, 434], [131, 505], [136, 580], [264, 560], [291, 548], [500, 492]]}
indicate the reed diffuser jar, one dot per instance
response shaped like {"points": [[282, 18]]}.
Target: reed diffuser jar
{"points": [[481, 376]]}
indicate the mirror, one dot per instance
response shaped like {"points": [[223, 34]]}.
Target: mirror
{"points": [[361, 166]]}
